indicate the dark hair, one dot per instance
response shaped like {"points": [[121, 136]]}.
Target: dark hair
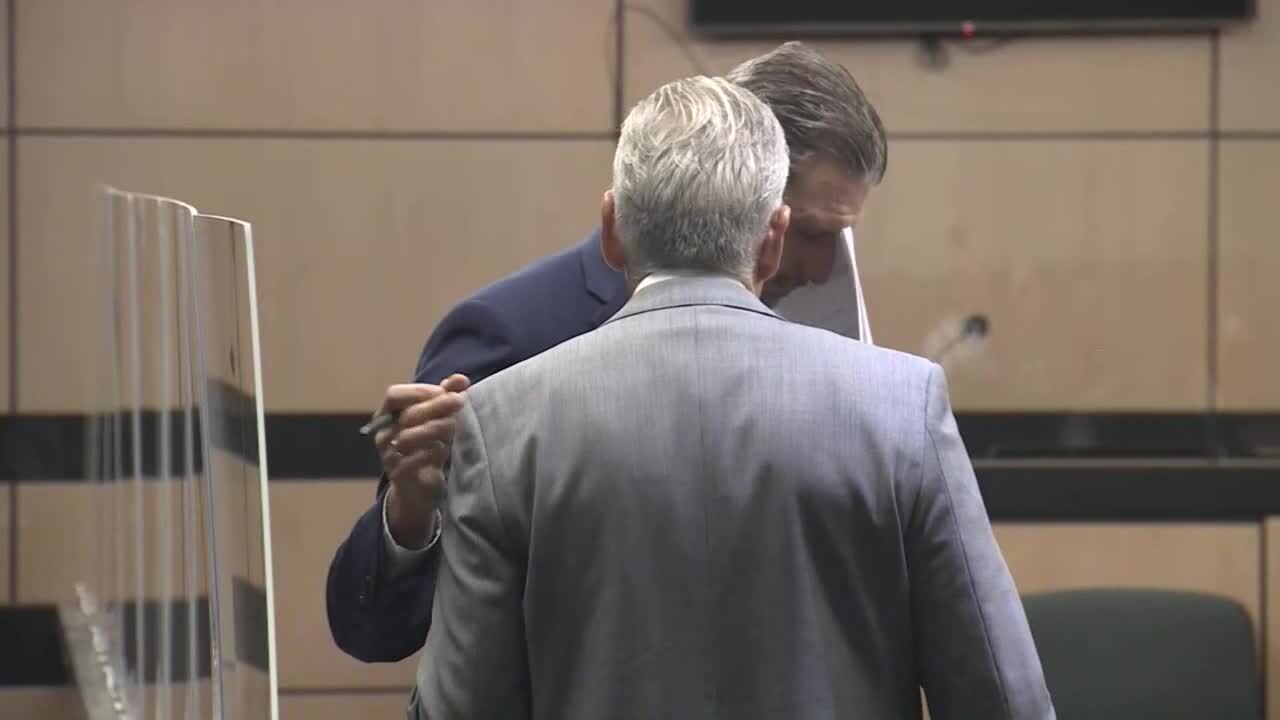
{"points": [[820, 106]]}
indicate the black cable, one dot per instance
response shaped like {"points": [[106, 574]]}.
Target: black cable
{"points": [[935, 52], [671, 31], [673, 34]]}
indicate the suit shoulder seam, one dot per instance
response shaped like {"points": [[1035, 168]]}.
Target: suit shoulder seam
{"points": [[488, 473]]}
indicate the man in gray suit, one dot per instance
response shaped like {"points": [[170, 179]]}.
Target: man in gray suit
{"points": [[702, 511]]}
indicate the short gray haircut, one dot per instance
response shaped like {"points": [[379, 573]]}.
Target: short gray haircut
{"points": [[821, 108], [700, 167]]}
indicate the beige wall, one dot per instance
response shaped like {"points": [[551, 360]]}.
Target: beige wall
{"points": [[1064, 187], [1045, 235], [392, 156]]}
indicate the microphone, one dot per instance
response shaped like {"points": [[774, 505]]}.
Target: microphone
{"points": [[975, 328]]}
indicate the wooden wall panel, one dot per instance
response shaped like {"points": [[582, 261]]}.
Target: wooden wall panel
{"points": [[361, 245], [5, 360], [1249, 88], [238, 491], [343, 706], [1216, 558], [254, 701], [55, 525], [45, 703], [225, 267], [4, 62], [1089, 258], [173, 703], [308, 520], [1249, 265], [1092, 84], [140, 276], [457, 65], [59, 539]]}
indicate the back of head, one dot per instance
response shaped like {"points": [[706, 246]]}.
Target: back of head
{"points": [[700, 167], [820, 107]]}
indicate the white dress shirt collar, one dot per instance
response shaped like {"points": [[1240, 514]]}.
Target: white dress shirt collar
{"points": [[658, 276]]}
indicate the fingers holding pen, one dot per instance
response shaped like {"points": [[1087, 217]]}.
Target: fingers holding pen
{"points": [[431, 435], [420, 422], [399, 397], [444, 405]]}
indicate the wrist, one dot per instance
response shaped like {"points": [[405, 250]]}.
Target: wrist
{"points": [[410, 520]]}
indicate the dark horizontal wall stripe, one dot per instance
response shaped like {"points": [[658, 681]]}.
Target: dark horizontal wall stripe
{"points": [[149, 613], [73, 446], [319, 446], [1046, 484], [323, 446], [1247, 436], [1190, 493], [57, 447], [42, 446], [378, 690], [327, 445], [250, 607], [237, 429], [1120, 435], [33, 651]]}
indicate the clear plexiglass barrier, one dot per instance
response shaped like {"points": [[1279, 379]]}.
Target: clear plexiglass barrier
{"points": [[172, 615]]}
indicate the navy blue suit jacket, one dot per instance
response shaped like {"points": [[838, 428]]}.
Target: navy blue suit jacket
{"points": [[556, 298]]}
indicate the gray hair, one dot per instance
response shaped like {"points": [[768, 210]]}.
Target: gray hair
{"points": [[822, 110], [700, 167]]}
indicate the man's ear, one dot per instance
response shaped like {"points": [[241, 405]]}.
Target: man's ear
{"points": [[610, 243], [770, 257]]}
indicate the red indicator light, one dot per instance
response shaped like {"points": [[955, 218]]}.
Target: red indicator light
{"points": [[967, 29]]}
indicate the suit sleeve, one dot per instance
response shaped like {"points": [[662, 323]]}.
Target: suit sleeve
{"points": [[372, 616], [475, 663], [973, 647]]}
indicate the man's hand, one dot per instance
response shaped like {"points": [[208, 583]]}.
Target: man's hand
{"points": [[414, 451]]}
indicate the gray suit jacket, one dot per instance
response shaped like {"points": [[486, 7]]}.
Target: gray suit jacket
{"points": [[702, 511]]}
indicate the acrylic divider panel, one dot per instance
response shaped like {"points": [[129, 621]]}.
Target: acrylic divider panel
{"points": [[172, 613]]}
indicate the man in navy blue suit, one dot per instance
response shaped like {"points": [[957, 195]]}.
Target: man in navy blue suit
{"points": [[382, 578]]}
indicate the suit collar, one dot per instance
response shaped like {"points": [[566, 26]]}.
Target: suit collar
{"points": [[684, 291], [606, 285], [602, 281]]}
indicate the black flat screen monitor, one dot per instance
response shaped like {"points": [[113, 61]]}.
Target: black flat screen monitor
{"points": [[961, 17]]}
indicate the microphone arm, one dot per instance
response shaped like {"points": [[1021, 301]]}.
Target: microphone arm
{"points": [[976, 327]]}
